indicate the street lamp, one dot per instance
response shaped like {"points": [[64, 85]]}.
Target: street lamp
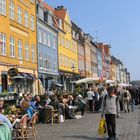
{"points": [[73, 69]]}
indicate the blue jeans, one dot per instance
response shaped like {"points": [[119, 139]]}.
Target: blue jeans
{"points": [[30, 112]]}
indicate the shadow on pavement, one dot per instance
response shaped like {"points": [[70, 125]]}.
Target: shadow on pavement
{"points": [[83, 137]]}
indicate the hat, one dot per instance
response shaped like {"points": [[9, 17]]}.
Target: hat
{"points": [[79, 96]]}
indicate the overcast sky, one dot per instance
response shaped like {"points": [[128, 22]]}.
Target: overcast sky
{"points": [[115, 22]]}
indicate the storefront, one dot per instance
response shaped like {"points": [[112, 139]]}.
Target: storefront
{"points": [[18, 80]]}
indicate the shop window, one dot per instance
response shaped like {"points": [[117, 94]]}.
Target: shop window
{"points": [[4, 82]]}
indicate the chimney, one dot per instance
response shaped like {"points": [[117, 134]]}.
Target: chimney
{"points": [[59, 8]]}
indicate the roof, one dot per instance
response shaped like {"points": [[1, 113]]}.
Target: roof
{"points": [[60, 13], [46, 6]]}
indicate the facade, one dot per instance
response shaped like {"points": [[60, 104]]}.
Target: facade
{"points": [[18, 57], [105, 55], [79, 35], [88, 55], [94, 66], [99, 59], [67, 48], [47, 44]]}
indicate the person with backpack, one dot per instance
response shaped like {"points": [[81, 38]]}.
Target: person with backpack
{"points": [[109, 109], [126, 100]]}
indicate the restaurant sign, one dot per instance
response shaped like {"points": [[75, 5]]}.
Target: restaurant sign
{"points": [[13, 72]]}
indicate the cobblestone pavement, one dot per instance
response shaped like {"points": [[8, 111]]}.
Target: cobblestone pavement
{"points": [[128, 128]]}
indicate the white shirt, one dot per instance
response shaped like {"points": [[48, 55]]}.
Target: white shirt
{"points": [[90, 95]]}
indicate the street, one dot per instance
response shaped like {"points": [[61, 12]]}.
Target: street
{"points": [[128, 128]]}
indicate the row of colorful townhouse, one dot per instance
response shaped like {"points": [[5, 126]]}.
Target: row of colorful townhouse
{"points": [[39, 44]]}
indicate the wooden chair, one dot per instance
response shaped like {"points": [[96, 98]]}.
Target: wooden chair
{"points": [[31, 125], [21, 129], [52, 115]]}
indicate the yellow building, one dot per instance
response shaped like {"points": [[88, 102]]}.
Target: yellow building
{"points": [[18, 57], [67, 47]]}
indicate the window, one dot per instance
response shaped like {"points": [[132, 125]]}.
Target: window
{"points": [[12, 47], [60, 59], [60, 23], [55, 66], [45, 38], [49, 63], [19, 15], [3, 7], [39, 35], [26, 16], [3, 43], [41, 13], [32, 1], [20, 49], [32, 22], [26, 51], [54, 42], [33, 53], [40, 60], [49, 40], [11, 10]]}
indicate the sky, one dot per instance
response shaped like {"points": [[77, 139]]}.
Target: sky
{"points": [[114, 22]]}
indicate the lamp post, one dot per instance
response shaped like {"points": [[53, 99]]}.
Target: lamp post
{"points": [[73, 69]]}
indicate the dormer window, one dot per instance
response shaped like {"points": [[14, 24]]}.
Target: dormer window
{"points": [[73, 34], [41, 13], [60, 23]]}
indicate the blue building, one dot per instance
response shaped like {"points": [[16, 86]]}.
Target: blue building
{"points": [[47, 44]]}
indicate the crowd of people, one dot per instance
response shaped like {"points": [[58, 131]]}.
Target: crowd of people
{"points": [[109, 100]]}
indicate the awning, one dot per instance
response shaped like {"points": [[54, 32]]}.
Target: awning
{"points": [[18, 77], [110, 81], [23, 75]]}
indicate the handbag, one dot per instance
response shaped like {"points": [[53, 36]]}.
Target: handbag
{"points": [[102, 127]]}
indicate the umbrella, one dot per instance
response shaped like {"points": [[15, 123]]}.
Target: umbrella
{"points": [[110, 82], [18, 77], [124, 85]]}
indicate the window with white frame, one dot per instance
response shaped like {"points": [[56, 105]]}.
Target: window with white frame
{"points": [[19, 15], [40, 60], [42, 36], [45, 38], [12, 13], [60, 59], [32, 1], [32, 23], [3, 43], [39, 36], [49, 40], [33, 53], [55, 65], [60, 23], [26, 51], [41, 13], [20, 49], [12, 47], [26, 17], [49, 63], [54, 42], [3, 7]]}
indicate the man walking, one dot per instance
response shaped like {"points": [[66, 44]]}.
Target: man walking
{"points": [[90, 96], [109, 109]]}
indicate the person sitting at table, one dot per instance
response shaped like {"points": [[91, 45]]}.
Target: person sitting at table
{"points": [[3, 118], [26, 106], [47, 100], [71, 101], [38, 106], [80, 104]]}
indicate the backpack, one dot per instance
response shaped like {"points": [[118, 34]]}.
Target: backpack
{"points": [[125, 94]]}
